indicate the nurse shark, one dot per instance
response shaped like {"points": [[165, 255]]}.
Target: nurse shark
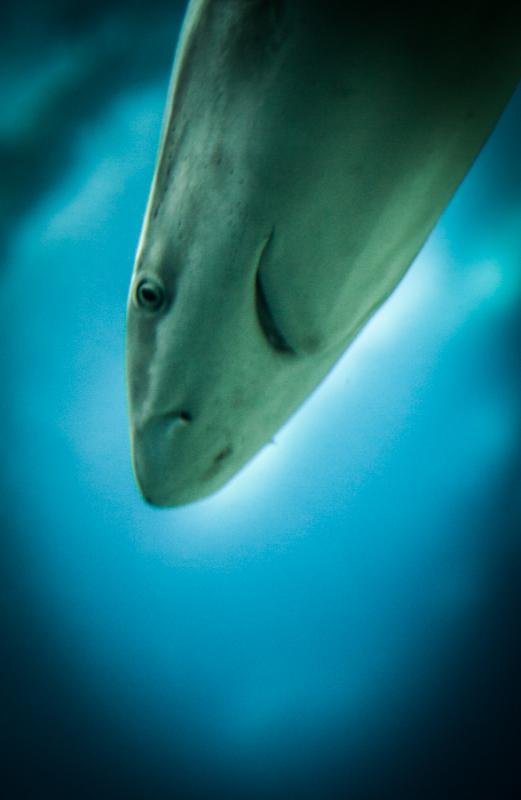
{"points": [[307, 151]]}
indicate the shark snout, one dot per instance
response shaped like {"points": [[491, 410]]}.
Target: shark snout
{"points": [[159, 456], [174, 463]]}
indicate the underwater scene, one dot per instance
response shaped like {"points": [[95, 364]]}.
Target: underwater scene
{"points": [[342, 618]]}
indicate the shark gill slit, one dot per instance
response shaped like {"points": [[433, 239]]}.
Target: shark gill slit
{"points": [[264, 315]]}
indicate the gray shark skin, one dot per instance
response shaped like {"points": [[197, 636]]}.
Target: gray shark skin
{"points": [[307, 151]]}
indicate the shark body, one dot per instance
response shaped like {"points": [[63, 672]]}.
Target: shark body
{"points": [[307, 151]]}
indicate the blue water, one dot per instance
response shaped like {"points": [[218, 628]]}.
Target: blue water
{"points": [[327, 587]]}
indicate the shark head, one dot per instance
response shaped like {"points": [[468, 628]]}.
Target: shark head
{"points": [[212, 375], [219, 351], [294, 186]]}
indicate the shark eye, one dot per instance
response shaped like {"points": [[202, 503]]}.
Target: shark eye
{"points": [[149, 294]]}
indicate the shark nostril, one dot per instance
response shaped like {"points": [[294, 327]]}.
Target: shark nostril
{"points": [[222, 455], [176, 419], [216, 463]]}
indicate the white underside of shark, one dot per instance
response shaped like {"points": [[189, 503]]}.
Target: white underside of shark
{"points": [[307, 152]]}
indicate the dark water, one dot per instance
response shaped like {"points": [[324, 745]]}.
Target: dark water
{"points": [[343, 618]]}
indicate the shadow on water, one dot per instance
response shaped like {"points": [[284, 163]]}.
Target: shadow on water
{"points": [[82, 55]]}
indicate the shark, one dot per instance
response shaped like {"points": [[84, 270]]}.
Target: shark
{"points": [[307, 151]]}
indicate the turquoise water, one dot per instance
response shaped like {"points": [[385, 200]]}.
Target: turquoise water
{"points": [[330, 590]]}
